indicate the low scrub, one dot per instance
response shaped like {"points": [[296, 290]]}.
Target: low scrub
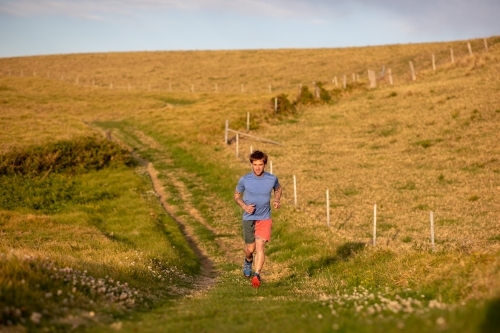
{"points": [[40, 177], [80, 154]]}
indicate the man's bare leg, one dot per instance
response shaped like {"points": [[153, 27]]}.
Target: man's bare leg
{"points": [[260, 256], [249, 250]]}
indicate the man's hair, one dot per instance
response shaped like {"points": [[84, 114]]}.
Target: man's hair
{"points": [[258, 155]]}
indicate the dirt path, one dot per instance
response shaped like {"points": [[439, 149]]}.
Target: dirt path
{"points": [[208, 276], [176, 200], [224, 228]]}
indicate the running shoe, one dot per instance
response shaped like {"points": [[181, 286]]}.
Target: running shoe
{"points": [[247, 269], [256, 281]]}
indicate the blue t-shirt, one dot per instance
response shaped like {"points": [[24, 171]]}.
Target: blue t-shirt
{"points": [[257, 191]]}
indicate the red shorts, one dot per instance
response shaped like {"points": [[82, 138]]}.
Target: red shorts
{"points": [[263, 229]]}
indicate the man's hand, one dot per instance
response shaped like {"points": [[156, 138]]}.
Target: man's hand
{"points": [[249, 208]]}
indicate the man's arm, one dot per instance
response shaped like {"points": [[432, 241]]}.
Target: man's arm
{"points": [[277, 197], [247, 208]]}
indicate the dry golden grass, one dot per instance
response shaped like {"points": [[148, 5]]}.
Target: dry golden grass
{"points": [[283, 69], [411, 148]]}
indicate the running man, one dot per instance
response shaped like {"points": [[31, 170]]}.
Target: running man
{"points": [[256, 188]]}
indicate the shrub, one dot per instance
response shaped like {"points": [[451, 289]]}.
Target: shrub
{"points": [[324, 95], [80, 154], [40, 177], [284, 106], [350, 249], [305, 96]]}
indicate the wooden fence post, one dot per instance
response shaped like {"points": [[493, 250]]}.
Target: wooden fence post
{"points": [[374, 224], [470, 49], [336, 82], [452, 58], [389, 73], [433, 62], [271, 167], [432, 231], [225, 132], [275, 104], [327, 209], [412, 70], [248, 121], [485, 44], [295, 190], [237, 144], [372, 78]]}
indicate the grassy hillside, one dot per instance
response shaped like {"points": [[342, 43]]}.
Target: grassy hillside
{"points": [[412, 148]]}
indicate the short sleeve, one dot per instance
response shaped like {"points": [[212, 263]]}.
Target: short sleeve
{"points": [[240, 187]]}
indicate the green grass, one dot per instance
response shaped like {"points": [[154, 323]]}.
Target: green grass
{"points": [[411, 147], [98, 215]]}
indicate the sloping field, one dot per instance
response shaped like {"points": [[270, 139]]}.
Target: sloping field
{"points": [[420, 150]]}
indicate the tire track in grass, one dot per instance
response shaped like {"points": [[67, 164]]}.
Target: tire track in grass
{"points": [[225, 230], [207, 277]]}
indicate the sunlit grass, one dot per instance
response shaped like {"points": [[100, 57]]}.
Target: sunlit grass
{"points": [[410, 148]]}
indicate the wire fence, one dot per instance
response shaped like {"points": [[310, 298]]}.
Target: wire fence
{"points": [[409, 227], [342, 80]]}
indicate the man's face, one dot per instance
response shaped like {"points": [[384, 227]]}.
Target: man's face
{"points": [[258, 167]]}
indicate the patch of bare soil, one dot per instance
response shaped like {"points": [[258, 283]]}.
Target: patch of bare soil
{"points": [[224, 228], [208, 276]]}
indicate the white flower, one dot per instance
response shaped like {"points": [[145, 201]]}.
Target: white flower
{"points": [[116, 325], [36, 317], [440, 321]]}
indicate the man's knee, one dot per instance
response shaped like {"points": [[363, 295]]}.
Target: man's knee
{"points": [[260, 244], [250, 247]]}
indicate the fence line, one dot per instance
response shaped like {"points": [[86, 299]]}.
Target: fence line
{"points": [[461, 243], [285, 88]]}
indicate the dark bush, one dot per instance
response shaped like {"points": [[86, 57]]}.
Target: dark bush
{"points": [[282, 104], [324, 95], [350, 249], [305, 96], [78, 155]]}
